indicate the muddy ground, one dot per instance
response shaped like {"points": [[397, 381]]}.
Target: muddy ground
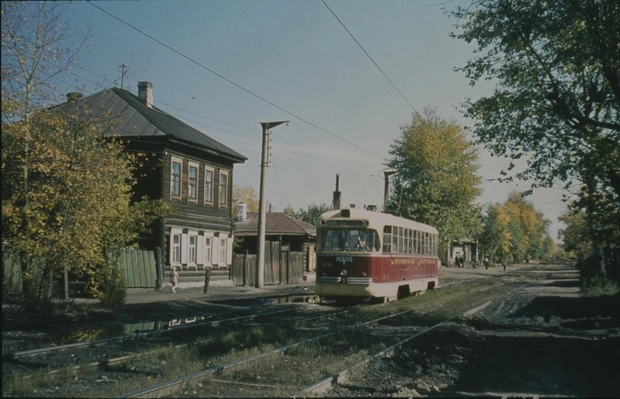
{"points": [[546, 340]]}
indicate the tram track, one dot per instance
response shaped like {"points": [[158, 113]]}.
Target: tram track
{"points": [[213, 376], [126, 367], [120, 348], [342, 376], [125, 348]]}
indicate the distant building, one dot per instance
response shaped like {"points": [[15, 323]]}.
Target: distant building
{"points": [[185, 168], [297, 235]]}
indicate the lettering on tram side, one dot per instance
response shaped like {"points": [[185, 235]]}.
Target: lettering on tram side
{"points": [[344, 259], [327, 264], [414, 262]]}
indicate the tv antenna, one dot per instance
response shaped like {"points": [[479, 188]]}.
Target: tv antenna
{"points": [[122, 67]]}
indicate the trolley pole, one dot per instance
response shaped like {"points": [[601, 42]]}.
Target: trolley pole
{"points": [[260, 251]]}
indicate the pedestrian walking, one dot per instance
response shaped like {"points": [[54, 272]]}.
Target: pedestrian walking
{"points": [[174, 279], [486, 262]]}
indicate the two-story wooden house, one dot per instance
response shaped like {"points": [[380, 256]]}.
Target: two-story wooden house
{"points": [[185, 167]]}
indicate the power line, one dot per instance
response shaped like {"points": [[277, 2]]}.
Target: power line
{"points": [[233, 83], [368, 55]]}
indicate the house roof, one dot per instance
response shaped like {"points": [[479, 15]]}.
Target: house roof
{"points": [[132, 118], [276, 223]]}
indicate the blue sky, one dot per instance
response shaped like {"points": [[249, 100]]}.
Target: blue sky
{"points": [[343, 112]]}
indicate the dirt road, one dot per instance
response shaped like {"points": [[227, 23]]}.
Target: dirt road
{"points": [[544, 340]]}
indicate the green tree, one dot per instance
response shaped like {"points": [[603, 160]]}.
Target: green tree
{"points": [[495, 238], [66, 192], [436, 180], [575, 236], [548, 249], [312, 213], [557, 97], [527, 226]]}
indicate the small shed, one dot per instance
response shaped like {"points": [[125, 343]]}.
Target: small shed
{"points": [[286, 230]]}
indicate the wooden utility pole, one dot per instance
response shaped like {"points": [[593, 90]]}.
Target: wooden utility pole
{"points": [[260, 251]]}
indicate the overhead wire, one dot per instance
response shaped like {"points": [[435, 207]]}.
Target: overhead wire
{"points": [[320, 179], [234, 83], [368, 55]]}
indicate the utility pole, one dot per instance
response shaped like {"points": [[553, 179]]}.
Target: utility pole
{"points": [[336, 197], [260, 267], [122, 67], [386, 187]]}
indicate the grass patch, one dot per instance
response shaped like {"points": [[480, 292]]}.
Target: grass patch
{"points": [[595, 287]]}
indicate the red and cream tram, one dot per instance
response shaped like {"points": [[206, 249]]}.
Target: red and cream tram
{"points": [[372, 255]]}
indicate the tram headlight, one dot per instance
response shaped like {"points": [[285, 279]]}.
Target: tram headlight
{"points": [[343, 273], [364, 274]]}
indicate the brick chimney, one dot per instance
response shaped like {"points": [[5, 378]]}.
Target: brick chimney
{"points": [[145, 93], [73, 97]]}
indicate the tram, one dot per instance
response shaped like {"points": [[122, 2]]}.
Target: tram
{"points": [[368, 255]]}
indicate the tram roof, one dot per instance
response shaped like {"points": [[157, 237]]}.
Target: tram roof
{"points": [[376, 219]]}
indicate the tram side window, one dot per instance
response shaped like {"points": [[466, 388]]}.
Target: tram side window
{"points": [[387, 239], [395, 232], [409, 241]]}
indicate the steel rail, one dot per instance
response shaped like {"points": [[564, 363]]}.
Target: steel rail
{"points": [[329, 382], [169, 387]]}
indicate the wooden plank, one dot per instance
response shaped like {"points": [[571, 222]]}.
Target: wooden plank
{"points": [[135, 261], [146, 275], [250, 272], [141, 268], [275, 262], [128, 264]]}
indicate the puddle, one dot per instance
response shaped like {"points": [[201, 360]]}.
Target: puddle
{"points": [[252, 302], [597, 324], [296, 299]]}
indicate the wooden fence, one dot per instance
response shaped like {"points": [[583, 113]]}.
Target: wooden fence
{"points": [[281, 266], [139, 268]]}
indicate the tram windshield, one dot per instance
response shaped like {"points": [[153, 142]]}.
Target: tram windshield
{"points": [[348, 240]]}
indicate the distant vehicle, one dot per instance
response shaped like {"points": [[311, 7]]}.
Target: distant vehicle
{"points": [[365, 255]]}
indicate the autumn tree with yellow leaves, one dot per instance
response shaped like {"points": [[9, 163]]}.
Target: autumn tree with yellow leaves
{"points": [[66, 192], [436, 180], [515, 231]]}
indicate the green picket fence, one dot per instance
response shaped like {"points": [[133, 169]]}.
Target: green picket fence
{"points": [[139, 268]]}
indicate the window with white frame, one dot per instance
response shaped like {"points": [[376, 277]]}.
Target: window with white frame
{"points": [[193, 243], [223, 189], [192, 182], [175, 177], [208, 248], [222, 251], [208, 185], [175, 249]]}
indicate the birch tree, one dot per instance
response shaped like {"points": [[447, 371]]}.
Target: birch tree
{"points": [[436, 180], [66, 192]]}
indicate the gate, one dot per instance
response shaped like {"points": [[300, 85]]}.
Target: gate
{"points": [[281, 266]]}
